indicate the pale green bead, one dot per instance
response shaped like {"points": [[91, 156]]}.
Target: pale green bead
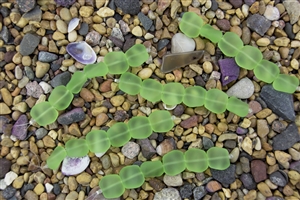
{"points": [[76, 83], [237, 107], [139, 127], [111, 186], [286, 83], [266, 71], [116, 62], [118, 134], [151, 90], [249, 57], [56, 157], [130, 83], [196, 160], [132, 177], [44, 113], [230, 44], [95, 70], [172, 93], [152, 168], [60, 98], [97, 141], [190, 24], [173, 162], [76, 148], [161, 121], [194, 96], [216, 101], [137, 55], [210, 33], [218, 158]]}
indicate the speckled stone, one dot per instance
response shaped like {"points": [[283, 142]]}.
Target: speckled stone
{"points": [[29, 43]]}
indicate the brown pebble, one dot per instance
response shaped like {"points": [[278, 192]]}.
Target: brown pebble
{"points": [[105, 86], [213, 186], [87, 95], [101, 119], [258, 170], [190, 122]]}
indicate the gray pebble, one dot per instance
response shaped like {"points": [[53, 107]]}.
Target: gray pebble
{"points": [[248, 181], [4, 167], [258, 23], [130, 150], [61, 79], [23, 82], [226, 176], [5, 35], [29, 43], [146, 21], [9, 192], [287, 138], [34, 89], [105, 160], [186, 190], [207, 143], [29, 73], [84, 29], [75, 115], [162, 43], [278, 179], [128, 6], [34, 15], [199, 192], [47, 56], [40, 133], [147, 149], [243, 89]]}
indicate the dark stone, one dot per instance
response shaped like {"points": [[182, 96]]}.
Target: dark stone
{"points": [[75, 115], [65, 3], [199, 192], [186, 191], [278, 179], [84, 29], [29, 73], [157, 184], [4, 11], [34, 15], [258, 170], [248, 181], [117, 41], [26, 5], [207, 143], [146, 21], [249, 2], [295, 166], [189, 122], [47, 56], [179, 110], [121, 116], [129, 6], [19, 129], [56, 189], [25, 188], [3, 121], [112, 5], [287, 138], [29, 43], [279, 102], [214, 5], [236, 3], [229, 70], [226, 177], [9, 192], [223, 24], [9, 56], [199, 81], [61, 79], [55, 65], [128, 43], [147, 149], [289, 31], [258, 23], [4, 166], [278, 126], [5, 35], [162, 43]]}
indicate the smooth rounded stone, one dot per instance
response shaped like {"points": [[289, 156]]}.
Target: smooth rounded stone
{"points": [[56, 189], [93, 38], [75, 115], [279, 102], [105, 160], [258, 170], [167, 194], [178, 111], [40, 133], [189, 122], [84, 29], [73, 24], [287, 138], [19, 129], [207, 143], [73, 166], [236, 3], [10, 177], [258, 23], [243, 89], [147, 148], [173, 181], [272, 13], [29, 73], [248, 181], [61, 26], [34, 89], [4, 166], [166, 146], [199, 192], [182, 43], [289, 31], [65, 3], [41, 69], [105, 12], [226, 176], [278, 178], [82, 52], [9, 192], [47, 57], [131, 7], [130, 150], [223, 24], [28, 44], [61, 79]]}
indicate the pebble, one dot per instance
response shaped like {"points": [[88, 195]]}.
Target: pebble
{"points": [[278, 178], [131, 7], [223, 24], [293, 9], [61, 79], [236, 3], [272, 13], [6, 96], [117, 100], [243, 89], [4, 167], [189, 122], [287, 138], [182, 43], [28, 44], [166, 146], [33, 15], [41, 69], [26, 5], [186, 190], [229, 70], [75, 115], [146, 21], [162, 5], [84, 29], [213, 186], [4, 109], [199, 192], [6, 35], [162, 43], [264, 189], [173, 181], [10, 177], [65, 14], [279, 102], [34, 89], [258, 170], [86, 11], [147, 148], [130, 150], [40, 133], [248, 181], [31, 195], [47, 57], [137, 31], [167, 194], [74, 166], [258, 24], [62, 26], [226, 176], [46, 87], [19, 129], [9, 192], [105, 12]]}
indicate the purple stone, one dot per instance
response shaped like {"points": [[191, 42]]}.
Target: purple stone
{"points": [[73, 166], [241, 131], [82, 52], [229, 69], [19, 129]]}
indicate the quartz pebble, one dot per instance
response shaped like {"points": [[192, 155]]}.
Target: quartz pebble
{"points": [[130, 150], [182, 43], [271, 13], [167, 194], [243, 89], [173, 181]]}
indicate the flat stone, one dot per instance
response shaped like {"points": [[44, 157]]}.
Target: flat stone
{"points": [[61, 79], [226, 176], [287, 138], [189, 122], [47, 57], [162, 5], [75, 115], [34, 15], [279, 102], [199, 192], [258, 23], [26, 5], [293, 9], [34, 89], [173, 181], [5, 35], [4, 109], [229, 70], [243, 89], [128, 6], [19, 129], [272, 13], [29, 43], [248, 181], [258, 170], [166, 146]]}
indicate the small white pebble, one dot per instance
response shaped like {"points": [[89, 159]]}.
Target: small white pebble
{"points": [[10, 177]]}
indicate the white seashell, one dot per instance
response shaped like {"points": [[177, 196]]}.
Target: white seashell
{"points": [[73, 24]]}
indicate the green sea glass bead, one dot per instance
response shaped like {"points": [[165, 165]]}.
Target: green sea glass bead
{"points": [[139, 127], [237, 107], [132, 177], [248, 57], [190, 24], [173, 162], [95, 70], [44, 113], [76, 83], [286, 83], [230, 44], [130, 83], [210, 33], [111, 186], [151, 90], [60, 98], [116, 62], [118, 134], [137, 55], [266, 71], [218, 158], [216, 101], [161, 121], [97, 141], [77, 148], [56, 157], [152, 168], [194, 96], [196, 160], [172, 93]]}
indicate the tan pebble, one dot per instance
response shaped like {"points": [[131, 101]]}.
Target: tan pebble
{"points": [[227, 136], [283, 158], [263, 42], [72, 183], [61, 26], [52, 47], [39, 189], [41, 69], [48, 141], [18, 182], [294, 153], [295, 64], [247, 145], [137, 31], [186, 2], [22, 22], [10, 66], [26, 60], [191, 137], [101, 119], [58, 36], [145, 73], [96, 111], [7, 98], [17, 59], [264, 113], [264, 189], [117, 100], [288, 191], [72, 36], [87, 95], [7, 142], [4, 109], [99, 28], [246, 123], [105, 12], [74, 130], [67, 62], [22, 160], [65, 14], [148, 36], [86, 11], [282, 41], [84, 178]]}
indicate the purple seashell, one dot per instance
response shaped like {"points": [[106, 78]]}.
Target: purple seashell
{"points": [[229, 69], [73, 24], [19, 129], [82, 52], [73, 166]]}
